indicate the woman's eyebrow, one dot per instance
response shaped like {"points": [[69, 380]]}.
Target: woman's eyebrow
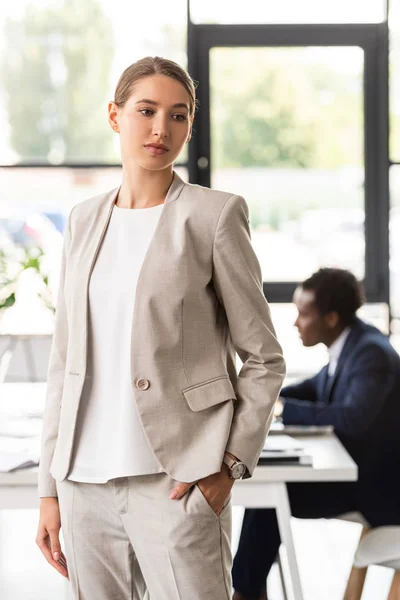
{"points": [[178, 105]]}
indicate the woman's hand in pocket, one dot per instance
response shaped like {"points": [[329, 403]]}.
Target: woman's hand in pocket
{"points": [[47, 537], [215, 489]]}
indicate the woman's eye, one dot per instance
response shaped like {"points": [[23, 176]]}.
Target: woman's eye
{"points": [[147, 112]]}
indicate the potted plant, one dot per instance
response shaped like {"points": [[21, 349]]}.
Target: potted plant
{"points": [[12, 265]]}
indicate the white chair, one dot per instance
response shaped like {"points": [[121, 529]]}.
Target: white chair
{"points": [[357, 575], [356, 580], [378, 546], [381, 546]]}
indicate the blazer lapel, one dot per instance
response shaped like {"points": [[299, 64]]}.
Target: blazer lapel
{"points": [[94, 238], [102, 219], [82, 266], [151, 257]]}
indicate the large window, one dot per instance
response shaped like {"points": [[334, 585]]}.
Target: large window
{"points": [[287, 126], [293, 116]]}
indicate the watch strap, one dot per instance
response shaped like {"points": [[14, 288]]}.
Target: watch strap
{"points": [[229, 461]]}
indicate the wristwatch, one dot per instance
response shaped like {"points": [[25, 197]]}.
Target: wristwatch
{"points": [[236, 468]]}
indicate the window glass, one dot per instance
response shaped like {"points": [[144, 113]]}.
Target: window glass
{"points": [[290, 140], [61, 66]]}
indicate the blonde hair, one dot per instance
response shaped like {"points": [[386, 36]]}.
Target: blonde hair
{"points": [[154, 65]]}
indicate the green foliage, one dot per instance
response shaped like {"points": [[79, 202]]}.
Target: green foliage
{"points": [[275, 107], [12, 265], [9, 301], [56, 78], [8, 279]]}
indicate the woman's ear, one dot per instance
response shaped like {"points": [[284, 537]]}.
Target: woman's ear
{"points": [[113, 116]]}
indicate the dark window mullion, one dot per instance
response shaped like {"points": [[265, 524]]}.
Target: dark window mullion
{"points": [[376, 170]]}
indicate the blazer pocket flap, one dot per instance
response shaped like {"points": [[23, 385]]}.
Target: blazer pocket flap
{"points": [[210, 393]]}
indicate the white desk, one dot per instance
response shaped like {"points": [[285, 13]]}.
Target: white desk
{"points": [[266, 489]]}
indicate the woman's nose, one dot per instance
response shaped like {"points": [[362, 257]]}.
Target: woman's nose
{"points": [[160, 128]]}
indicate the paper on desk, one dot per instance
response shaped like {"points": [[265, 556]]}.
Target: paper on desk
{"points": [[282, 443]]}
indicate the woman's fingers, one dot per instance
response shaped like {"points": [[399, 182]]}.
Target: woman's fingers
{"points": [[180, 490], [48, 538], [43, 541], [63, 562], [59, 565]]}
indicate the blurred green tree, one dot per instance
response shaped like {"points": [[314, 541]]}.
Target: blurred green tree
{"points": [[273, 107], [55, 79]]}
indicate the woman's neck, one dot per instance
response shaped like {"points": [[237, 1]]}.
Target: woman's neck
{"points": [[142, 188]]}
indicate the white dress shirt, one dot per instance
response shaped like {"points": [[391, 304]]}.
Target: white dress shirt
{"points": [[110, 441], [335, 350]]}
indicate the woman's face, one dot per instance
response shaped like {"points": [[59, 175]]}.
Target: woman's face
{"points": [[156, 113]]}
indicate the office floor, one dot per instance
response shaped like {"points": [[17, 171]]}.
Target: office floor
{"points": [[325, 550]]}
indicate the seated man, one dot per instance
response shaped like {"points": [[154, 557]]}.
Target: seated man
{"points": [[358, 393]]}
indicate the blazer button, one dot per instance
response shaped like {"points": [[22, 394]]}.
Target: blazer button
{"points": [[142, 384]]}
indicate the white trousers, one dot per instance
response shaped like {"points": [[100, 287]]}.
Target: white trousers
{"points": [[127, 540]]}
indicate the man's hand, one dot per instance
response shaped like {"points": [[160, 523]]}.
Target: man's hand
{"points": [[215, 488]]}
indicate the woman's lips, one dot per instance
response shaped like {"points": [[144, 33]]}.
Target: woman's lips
{"points": [[156, 151]]}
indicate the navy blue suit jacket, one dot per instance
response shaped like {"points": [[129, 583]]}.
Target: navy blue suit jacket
{"points": [[362, 402]]}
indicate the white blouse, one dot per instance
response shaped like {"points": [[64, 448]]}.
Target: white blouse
{"points": [[110, 441]]}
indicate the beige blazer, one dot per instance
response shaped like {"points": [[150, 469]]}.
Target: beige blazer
{"points": [[199, 298]]}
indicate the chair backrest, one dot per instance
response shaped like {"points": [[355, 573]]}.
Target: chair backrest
{"points": [[354, 517], [380, 546]]}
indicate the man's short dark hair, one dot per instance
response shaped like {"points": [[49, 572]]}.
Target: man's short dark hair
{"points": [[336, 290]]}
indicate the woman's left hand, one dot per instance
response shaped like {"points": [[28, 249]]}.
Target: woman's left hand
{"points": [[215, 488]]}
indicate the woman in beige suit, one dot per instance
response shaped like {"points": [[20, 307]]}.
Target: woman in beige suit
{"points": [[147, 424]]}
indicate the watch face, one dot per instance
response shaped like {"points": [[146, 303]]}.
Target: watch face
{"points": [[238, 471]]}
